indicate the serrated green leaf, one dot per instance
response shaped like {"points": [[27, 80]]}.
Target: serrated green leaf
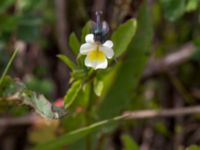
{"points": [[18, 91], [129, 143], [41, 104], [74, 43], [67, 61], [123, 36], [72, 93], [173, 9], [129, 70]]}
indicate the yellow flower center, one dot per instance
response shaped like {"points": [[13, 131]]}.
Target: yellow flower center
{"points": [[96, 55]]}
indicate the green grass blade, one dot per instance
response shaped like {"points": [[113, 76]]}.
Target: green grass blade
{"points": [[8, 66], [76, 135], [130, 68]]}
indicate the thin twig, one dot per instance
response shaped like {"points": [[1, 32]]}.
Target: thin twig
{"points": [[162, 113], [62, 26], [32, 119], [29, 119], [157, 66], [8, 66], [143, 114], [99, 5]]}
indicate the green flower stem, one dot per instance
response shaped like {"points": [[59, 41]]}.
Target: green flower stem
{"points": [[8, 66], [88, 115]]}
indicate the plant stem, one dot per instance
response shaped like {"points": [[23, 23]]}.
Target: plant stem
{"points": [[8, 66], [89, 117]]}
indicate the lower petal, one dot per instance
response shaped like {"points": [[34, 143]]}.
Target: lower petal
{"points": [[96, 64]]}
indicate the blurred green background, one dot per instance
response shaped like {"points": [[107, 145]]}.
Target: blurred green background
{"points": [[163, 74]]}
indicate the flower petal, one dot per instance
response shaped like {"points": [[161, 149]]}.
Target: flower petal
{"points": [[108, 44], [108, 51], [96, 55], [102, 65], [89, 38], [96, 64], [87, 47], [96, 59]]}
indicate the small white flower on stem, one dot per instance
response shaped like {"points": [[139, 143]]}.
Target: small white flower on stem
{"points": [[96, 52]]}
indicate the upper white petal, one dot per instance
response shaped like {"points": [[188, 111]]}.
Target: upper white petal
{"points": [[89, 38], [86, 47], [108, 43], [107, 51], [96, 64]]}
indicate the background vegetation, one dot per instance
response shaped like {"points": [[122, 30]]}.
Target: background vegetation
{"points": [[148, 97]]}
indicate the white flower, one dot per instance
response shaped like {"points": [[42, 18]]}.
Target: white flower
{"points": [[96, 53]]}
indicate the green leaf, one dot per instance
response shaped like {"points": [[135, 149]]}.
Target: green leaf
{"points": [[70, 137], [85, 31], [77, 118], [41, 105], [67, 61], [192, 5], [8, 87], [8, 66], [74, 43], [78, 73], [74, 136], [193, 147], [123, 36], [72, 93], [83, 96], [129, 70], [19, 93], [98, 87], [173, 9], [129, 143]]}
